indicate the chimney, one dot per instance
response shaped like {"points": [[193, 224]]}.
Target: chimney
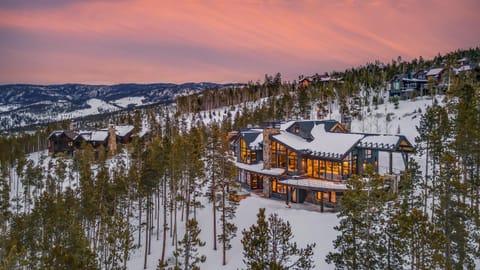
{"points": [[267, 158], [112, 141]]}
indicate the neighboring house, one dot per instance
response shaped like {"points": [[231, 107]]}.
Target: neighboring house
{"points": [[406, 85], [309, 160], [305, 82], [67, 141]]}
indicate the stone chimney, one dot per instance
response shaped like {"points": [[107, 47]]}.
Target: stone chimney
{"points": [[267, 158], [112, 141]]}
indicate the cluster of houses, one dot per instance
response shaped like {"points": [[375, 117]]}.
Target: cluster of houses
{"points": [[69, 140], [418, 83], [325, 79], [310, 160]]}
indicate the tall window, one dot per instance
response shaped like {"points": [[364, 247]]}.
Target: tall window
{"points": [[346, 166], [329, 169], [368, 153], [274, 155], [323, 170], [246, 156], [310, 167], [279, 155], [292, 161], [315, 168]]}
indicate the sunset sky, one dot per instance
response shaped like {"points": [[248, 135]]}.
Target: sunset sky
{"points": [[116, 41]]}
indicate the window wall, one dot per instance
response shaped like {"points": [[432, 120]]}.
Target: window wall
{"points": [[278, 188], [324, 169], [278, 155], [246, 155]]}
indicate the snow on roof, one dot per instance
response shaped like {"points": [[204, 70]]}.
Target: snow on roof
{"points": [[143, 132], [258, 168], [462, 68], [257, 142], [315, 183], [94, 136], [333, 145], [434, 71], [285, 126], [380, 141], [123, 130]]}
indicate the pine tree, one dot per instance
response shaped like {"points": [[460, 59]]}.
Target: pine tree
{"points": [[268, 245], [187, 252], [227, 206]]}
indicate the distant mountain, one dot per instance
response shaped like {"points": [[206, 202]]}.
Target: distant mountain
{"points": [[25, 104]]}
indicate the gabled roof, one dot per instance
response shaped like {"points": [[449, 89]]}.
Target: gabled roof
{"points": [[122, 131], [253, 138], [326, 144], [68, 133], [95, 136], [434, 71], [386, 143]]}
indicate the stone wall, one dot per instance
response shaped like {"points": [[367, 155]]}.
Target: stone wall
{"points": [[112, 141], [267, 159]]}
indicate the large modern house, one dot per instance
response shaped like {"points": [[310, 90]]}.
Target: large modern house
{"points": [[309, 160]]}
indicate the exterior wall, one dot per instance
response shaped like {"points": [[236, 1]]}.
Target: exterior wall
{"points": [[267, 158]]}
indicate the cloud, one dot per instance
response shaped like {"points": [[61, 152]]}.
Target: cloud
{"points": [[146, 41]]}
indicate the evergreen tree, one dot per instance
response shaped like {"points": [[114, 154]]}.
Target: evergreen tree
{"points": [[268, 245], [186, 254]]}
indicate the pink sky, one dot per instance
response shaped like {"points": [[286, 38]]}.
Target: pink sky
{"points": [[115, 41]]}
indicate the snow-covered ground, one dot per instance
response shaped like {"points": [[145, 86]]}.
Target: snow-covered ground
{"points": [[126, 101], [96, 106], [308, 225]]}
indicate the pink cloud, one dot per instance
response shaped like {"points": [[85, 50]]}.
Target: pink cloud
{"points": [[149, 41]]}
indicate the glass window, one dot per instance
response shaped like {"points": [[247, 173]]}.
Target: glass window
{"points": [[282, 189], [322, 168], [292, 161], [315, 168], [310, 167]]}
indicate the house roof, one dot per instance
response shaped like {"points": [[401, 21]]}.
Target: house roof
{"points": [[434, 71], [462, 69], [258, 168], [386, 143], [315, 184], [253, 138], [95, 136], [327, 144], [122, 131]]}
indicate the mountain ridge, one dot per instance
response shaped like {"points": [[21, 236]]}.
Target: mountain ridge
{"points": [[25, 104]]}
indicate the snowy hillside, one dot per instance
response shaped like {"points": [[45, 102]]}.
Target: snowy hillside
{"points": [[22, 105], [308, 224]]}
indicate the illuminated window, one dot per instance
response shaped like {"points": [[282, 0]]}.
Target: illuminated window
{"points": [[322, 168], [328, 166], [304, 165], [333, 197], [310, 167], [315, 168], [246, 156], [292, 161], [278, 188], [336, 168], [274, 155], [281, 189], [282, 156]]}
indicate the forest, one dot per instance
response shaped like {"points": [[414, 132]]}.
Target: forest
{"points": [[92, 210]]}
